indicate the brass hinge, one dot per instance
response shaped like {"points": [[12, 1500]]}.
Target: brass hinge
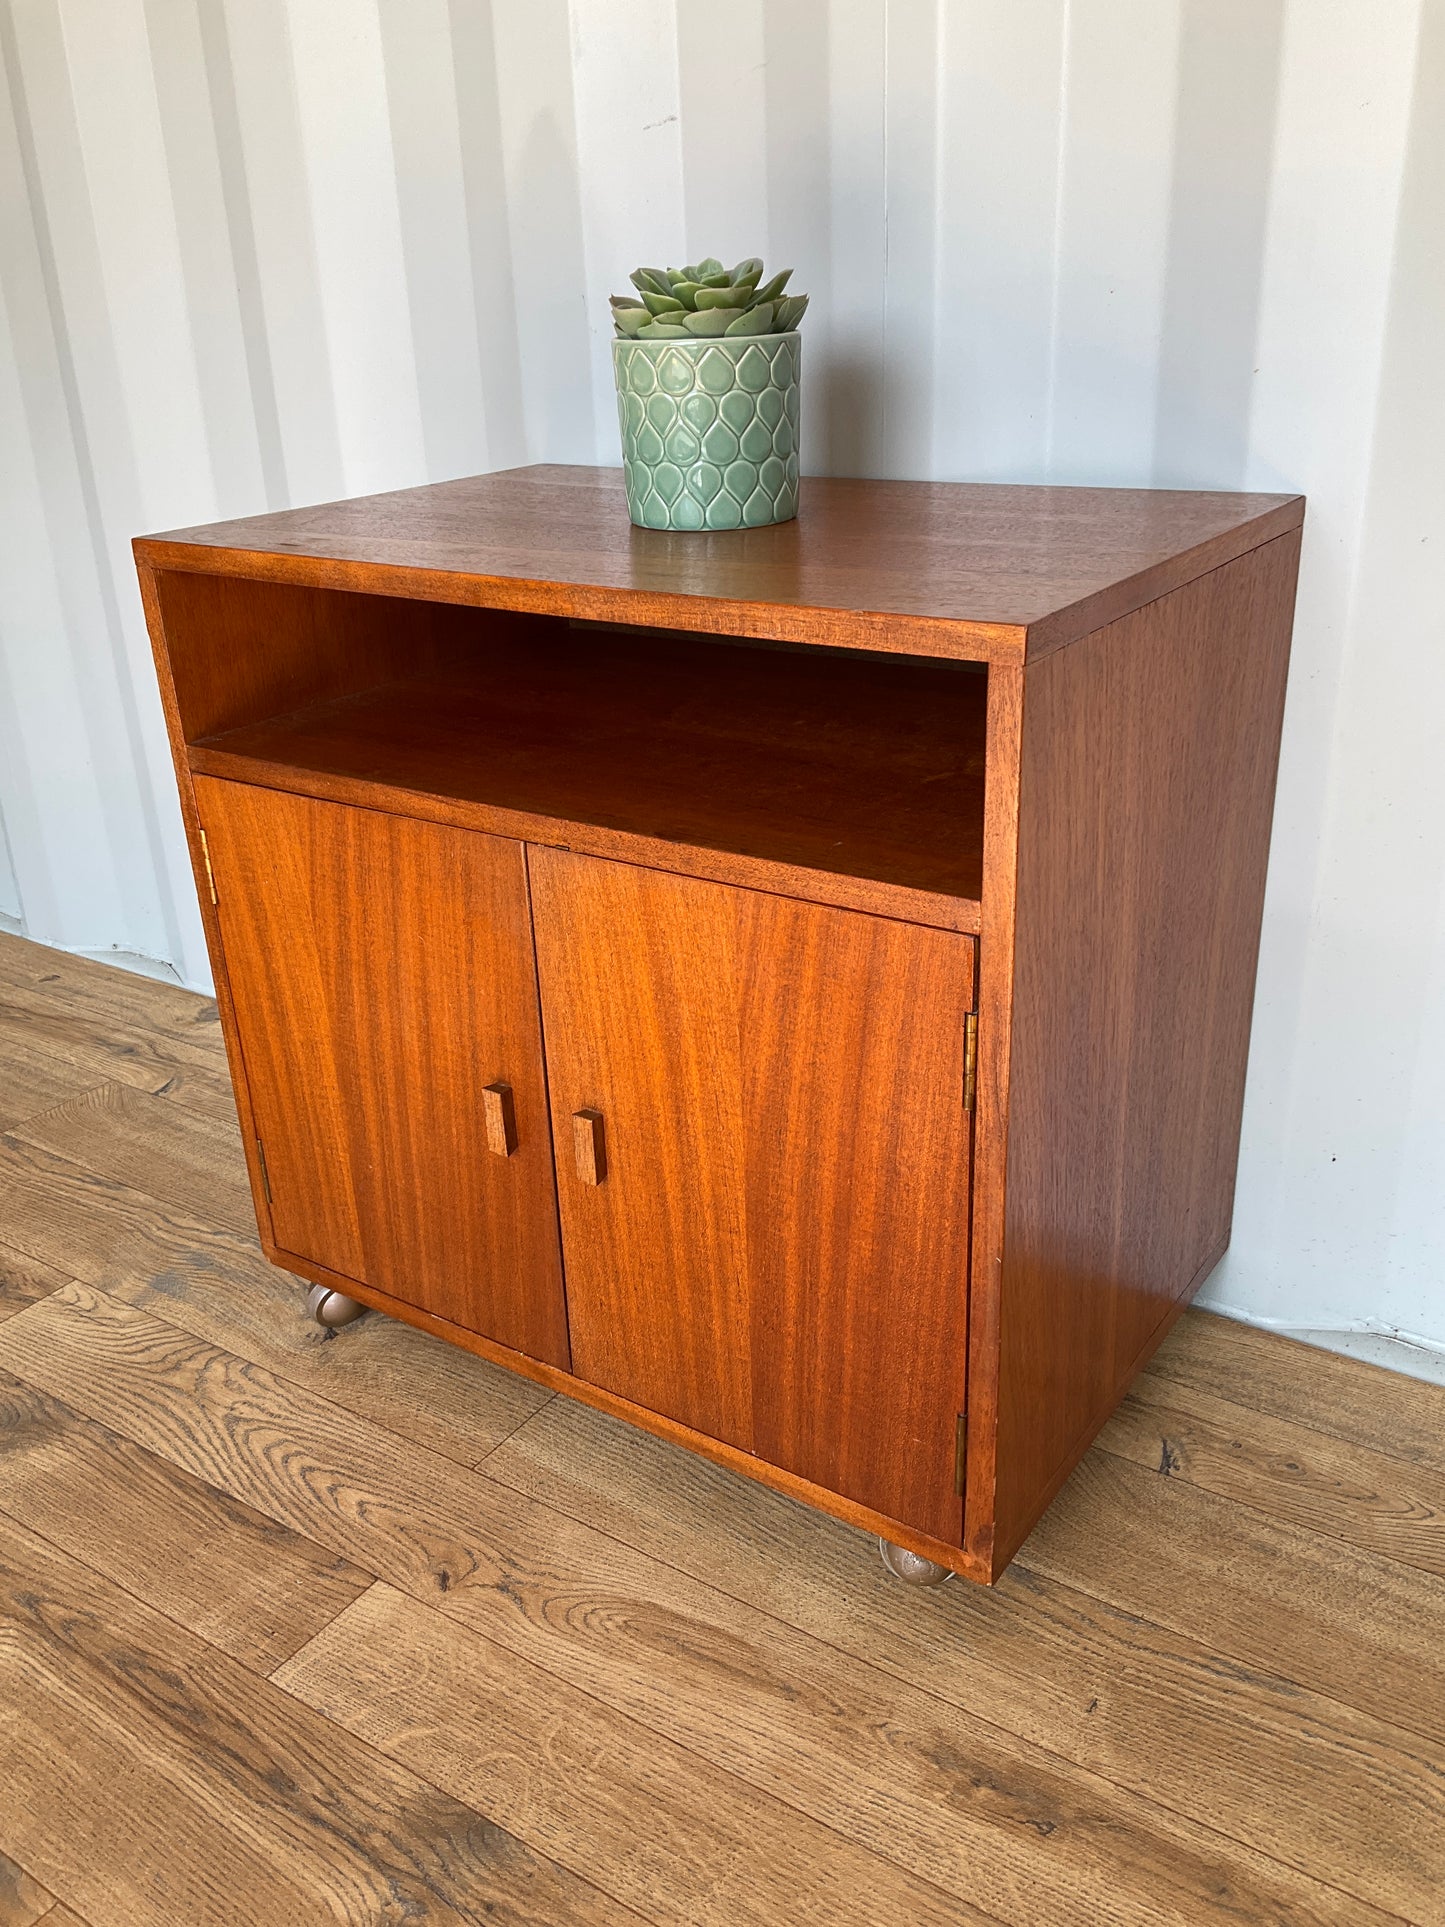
{"points": [[960, 1454], [210, 873], [265, 1174], [970, 1059]]}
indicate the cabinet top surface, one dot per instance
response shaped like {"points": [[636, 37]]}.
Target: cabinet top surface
{"points": [[993, 572]]}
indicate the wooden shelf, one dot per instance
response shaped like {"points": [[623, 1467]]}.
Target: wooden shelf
{"points": [[813, 774]]}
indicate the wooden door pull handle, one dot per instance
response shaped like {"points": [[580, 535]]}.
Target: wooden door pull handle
{"points": [[589, 1146], [501, 1116]]}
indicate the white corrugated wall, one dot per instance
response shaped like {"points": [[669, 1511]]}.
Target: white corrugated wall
{"points": [[257, 252]]}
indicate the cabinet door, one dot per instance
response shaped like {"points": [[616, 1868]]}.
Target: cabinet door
{"points": [[771, 1093], [382, 976]]}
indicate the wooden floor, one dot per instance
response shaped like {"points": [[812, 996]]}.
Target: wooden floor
{"points": [[300, 1628]]}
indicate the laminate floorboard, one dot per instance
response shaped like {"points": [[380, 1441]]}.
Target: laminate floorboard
{"points": [[1264, 1593], [303, 1627], [22, 1900], [143, 1138], [152, 1781], [990, 1817], [213, 1282], [34, 1078], [251, 1587], [92, 1054], [1321, 1391], [1092, 1682], [122, 999], [23, 1279], [468, 1715], [1336, 1489]]}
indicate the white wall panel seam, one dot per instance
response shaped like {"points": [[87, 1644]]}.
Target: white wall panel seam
{"points": [[156, 408], [105, 689]]}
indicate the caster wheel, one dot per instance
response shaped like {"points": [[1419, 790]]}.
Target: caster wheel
{"points": [[911, 1567], [332, 1308]]}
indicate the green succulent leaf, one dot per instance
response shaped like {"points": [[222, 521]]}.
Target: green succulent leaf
{"points": [[770, 290], [709, 321], [704, 299], [753, 321], [723, 297]]}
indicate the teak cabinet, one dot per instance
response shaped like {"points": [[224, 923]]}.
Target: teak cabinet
{"points": [[790, 988]]}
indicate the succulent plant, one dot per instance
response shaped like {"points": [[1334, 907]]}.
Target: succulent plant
{"points": [[706, 299]]}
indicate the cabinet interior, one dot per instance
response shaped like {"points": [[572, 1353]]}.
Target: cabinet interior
{"points": [[831, 762]]}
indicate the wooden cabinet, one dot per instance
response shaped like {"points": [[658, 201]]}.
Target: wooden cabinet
{"points": [[788, 988]]}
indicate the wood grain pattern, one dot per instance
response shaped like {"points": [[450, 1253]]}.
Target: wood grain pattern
{"points": [[1026, 1838], [472, 1719], [1298, 1774], [1337, 1491], [1343, 1398], [252, 1588], [367, 1058], [94, 1051], [983, 571], [1347, 1624], [143, 1138], [777, 1478], [219, 1287], [23, 1279], [197, 848], [778, 1257], [859, 773], [684, 859], [997, 935], [238, 653], [1077, 1663], [32, 1078], [225, 1801], [22, 1900], [1145, 791], [121, 999]]}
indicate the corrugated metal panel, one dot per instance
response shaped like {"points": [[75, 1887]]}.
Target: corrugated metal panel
{"points": [[256, 252]]}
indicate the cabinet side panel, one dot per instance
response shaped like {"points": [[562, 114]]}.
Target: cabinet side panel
{"points": [[1146, 788], [241, 652], [185, 788], [990, 1149]]}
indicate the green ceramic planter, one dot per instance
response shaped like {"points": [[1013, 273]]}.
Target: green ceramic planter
{"points": [[709, 430]]}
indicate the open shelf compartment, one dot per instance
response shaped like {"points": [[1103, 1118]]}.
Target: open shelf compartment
{"points": [[824, 774]]}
